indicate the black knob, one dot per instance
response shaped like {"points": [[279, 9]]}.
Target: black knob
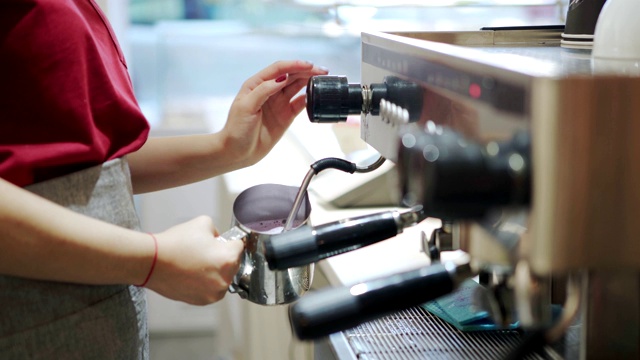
{"points": [[332, 99], [403, 93], [454, 178]]}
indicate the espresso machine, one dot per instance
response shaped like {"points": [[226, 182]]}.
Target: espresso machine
{"points": [[528, 153]]}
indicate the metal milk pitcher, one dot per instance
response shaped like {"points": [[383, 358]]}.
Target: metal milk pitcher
{"points": [[258, 213]]}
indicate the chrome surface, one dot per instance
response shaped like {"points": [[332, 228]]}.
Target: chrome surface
{"points": [[300, 196], [584, 120], [255, 281], [302, 190], [371, 167], [585, 123], [408, 218]]}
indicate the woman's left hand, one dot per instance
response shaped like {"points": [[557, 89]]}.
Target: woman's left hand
{"points": [[265, 107]]}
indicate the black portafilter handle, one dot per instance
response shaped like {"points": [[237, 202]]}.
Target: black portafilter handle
{"points": [[308, 244], [331, 310]]}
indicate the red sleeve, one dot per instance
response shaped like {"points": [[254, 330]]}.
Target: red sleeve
{"points": [[66, 99]]}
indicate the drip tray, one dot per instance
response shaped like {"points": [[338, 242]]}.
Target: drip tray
{"points": [[416, 334]]}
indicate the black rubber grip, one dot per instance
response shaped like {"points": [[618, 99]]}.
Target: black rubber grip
{"points": [[334, 163], [306, 245], [328, 311], [332, 99], [292, 248]]}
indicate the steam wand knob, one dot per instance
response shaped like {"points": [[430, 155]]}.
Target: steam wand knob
{"points": [[332, 99]]}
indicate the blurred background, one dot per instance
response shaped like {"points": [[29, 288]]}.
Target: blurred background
{"points": [[187, 60], [185, 53]]}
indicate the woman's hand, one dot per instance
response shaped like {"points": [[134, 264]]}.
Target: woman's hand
{"points": [[260, 114], [265, 107], [193, 266]]}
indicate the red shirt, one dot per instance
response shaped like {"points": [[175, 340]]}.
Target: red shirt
{"points": [[66, 99]]}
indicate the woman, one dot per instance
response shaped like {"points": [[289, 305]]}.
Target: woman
{"points": [[73, 150]]}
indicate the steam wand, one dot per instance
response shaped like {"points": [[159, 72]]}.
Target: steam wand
{"points": [[328, 163]]}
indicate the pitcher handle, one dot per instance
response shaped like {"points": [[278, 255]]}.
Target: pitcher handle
{"points": [[235, 233]]}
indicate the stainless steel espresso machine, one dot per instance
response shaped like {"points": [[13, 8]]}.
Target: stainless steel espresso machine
{"points": [[529, 154]]}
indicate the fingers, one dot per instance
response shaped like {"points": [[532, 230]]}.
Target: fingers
{"points": [[259, 88], [205, 223], [194, 267], [298, 104], [277, 69], [236, 246], [288, 88], [294, 87], [297, 81], [232, 248]]}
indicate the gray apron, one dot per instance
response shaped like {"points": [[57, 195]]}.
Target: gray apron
{"points": [[55, 320]]}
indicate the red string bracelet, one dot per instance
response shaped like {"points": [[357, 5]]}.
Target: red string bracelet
{"points": [[153, 264]]}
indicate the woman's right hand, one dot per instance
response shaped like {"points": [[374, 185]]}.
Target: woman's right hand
{"points": [[193, 266]]}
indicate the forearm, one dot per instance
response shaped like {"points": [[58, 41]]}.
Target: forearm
{"points": [[260, 114], [42, 240], [166, 162]]}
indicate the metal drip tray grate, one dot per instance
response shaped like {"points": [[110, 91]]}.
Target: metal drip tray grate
{"points": [[417, 334]]}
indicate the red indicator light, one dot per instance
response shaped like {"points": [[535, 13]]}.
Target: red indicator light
{"points": [[475, 90]]}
